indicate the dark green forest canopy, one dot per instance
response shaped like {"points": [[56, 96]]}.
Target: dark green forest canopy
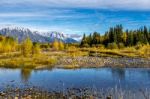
{"points": [[117, 36]]}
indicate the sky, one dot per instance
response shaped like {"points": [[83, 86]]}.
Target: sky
{"points": [[74, 16]]}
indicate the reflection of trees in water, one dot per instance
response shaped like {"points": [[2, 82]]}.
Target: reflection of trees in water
{"points": [[145, 73], [148, 73], [118, 73], [25, 74]]}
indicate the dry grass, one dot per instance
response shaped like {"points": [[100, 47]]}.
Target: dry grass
{"points": [[27, 62], [143, 52], [49, 58]]}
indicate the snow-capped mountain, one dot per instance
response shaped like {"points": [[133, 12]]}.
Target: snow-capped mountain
{"points": [[22, 33], [60, 36]]}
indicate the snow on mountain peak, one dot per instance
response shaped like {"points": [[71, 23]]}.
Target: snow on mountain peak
{"points": [[35, 36]]}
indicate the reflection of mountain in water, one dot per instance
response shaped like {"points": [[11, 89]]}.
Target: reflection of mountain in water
{"points": [[25, 74]]}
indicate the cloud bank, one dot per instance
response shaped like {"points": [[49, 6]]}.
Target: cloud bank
{"points": [[74, 16], [93, 4]]}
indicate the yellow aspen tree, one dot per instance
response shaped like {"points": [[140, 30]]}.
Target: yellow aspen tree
{"points": [[61, 45], [26, 47], [124, 37], [36, 49], [56, 45]]}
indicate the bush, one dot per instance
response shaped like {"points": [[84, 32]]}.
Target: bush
{"points": [[121, 45], [138, 45], [44, 46], [36, 49], [93, 45], [101, 46], [8, 44], [145, 50], [112, 46], [86, 45]]}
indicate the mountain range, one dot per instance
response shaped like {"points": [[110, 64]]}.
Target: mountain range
{"points": [[35, 36]]}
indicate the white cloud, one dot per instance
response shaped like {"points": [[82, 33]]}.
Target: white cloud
{"points": [[20, 14], [57, 15], [103, 4]]}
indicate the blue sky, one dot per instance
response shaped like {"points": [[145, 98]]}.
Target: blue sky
{"points": [[74, 16]]}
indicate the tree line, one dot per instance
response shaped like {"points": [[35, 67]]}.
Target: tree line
{"points": [[117, 37], [27, 47]]}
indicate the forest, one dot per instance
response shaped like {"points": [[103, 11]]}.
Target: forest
{"points": [[116, 37]]}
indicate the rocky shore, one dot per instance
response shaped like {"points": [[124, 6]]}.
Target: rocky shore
{"points": [[73, 93], [94, 62]]}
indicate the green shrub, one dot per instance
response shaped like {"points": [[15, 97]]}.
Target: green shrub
{"points": [[121, 45], [86, 45], [101, 46], [112, 46], [138, 45]]}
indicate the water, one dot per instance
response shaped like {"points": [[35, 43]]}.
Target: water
{"points": [[58, 79]]}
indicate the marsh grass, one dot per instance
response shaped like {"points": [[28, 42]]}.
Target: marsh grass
{"points": [[142, 52], [18, 61], [51, 57]]}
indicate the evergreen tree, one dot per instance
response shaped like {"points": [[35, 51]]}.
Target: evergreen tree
{"points": [[84, 41], [111, 35], [118, 36]]}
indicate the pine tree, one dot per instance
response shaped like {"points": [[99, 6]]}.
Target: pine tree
{"points": [[89, 40], [119, 32], [118, 36], [84, 41]]}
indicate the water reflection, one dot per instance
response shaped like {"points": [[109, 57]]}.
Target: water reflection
{"points": [[118, 73], [100, 78], [25, 74]]}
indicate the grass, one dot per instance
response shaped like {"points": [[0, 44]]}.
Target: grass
{"points": [[27, 62], [50, 58], [143, 52]]}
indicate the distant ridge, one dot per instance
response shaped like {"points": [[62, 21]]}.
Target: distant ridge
{"points": [[22, 33]]}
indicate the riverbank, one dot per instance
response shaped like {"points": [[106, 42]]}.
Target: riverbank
{"points": [[72, 60], [96, 62], [73, 93]]}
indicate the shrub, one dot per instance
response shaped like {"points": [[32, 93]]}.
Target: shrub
{"points": [[8, 44], [86, 45], [101, 46], [138, 45], [145, 50], [121, 45], [112, 46], [36, 49]]}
